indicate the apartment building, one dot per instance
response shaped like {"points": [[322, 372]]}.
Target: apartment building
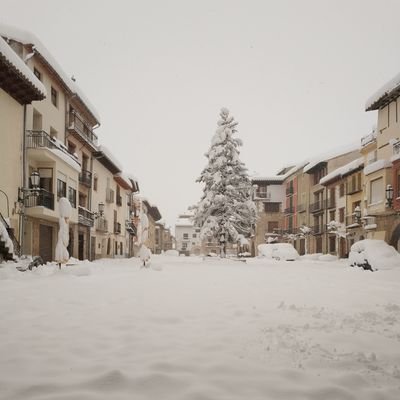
{"points": [[187, 236], [54, 141], [269, 196], [381, 151], [18, 88]]}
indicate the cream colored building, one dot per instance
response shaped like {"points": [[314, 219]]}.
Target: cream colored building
{"points": [[57, 140], [18, 87]]}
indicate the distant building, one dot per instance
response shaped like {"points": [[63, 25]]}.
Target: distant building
{"points": [[187, 235]]}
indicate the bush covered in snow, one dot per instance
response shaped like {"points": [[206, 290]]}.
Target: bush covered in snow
{"points": [[376, 253], [278, 251]]}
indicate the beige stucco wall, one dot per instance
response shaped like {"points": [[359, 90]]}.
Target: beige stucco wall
{"points": [[11, 127]]}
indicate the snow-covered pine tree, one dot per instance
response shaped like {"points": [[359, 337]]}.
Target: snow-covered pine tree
{"points": [[226, 208]]}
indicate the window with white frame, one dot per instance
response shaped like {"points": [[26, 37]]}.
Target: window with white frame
{"points": [[377, 192]]}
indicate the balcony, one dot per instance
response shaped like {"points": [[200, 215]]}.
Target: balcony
{"points": [[109, 195], [119, 201], [317, 229], [85, 177], [289, 210], [352, 222], [354, 187], [330, 203], [39, 139], [117, 227], [130, 227], [301, 208], [82, 131], [42, 199], [263, 195], [102, 225], [289, 190], [85, 217], [317, 206], [368, 139]]}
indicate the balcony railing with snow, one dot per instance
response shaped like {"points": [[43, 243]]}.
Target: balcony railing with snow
{"points": [[37, 139], [263, 195], [78, 126], [396, 148], [367, 139]]}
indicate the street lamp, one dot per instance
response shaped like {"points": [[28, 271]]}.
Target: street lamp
{"points": [[24, 193], [99, 213], [389, 195], [357, 214]]}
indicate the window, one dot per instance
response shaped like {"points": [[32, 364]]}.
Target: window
{"points": [[271, 207], [273, 226], [185, 236], [194, 235], [198, 230], [95, 181], [54, 96], [184, 246], [72, 196], [46, 179], [121, 249], [82, 200], [341, 190], [341, 214], [37, 73], [61, 188], [332, 244], [332, 215], [377, 192]]}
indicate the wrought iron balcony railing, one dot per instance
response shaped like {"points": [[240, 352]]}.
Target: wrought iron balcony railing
{"points": [[317, 206], [85, 177], [85, 217], [42, 198], [82, 129], [36, 139]]}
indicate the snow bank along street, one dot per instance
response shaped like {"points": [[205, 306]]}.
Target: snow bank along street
{"points": [[192, 329]]}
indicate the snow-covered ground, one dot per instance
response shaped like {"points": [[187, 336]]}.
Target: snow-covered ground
{"points": [[193, 329]]}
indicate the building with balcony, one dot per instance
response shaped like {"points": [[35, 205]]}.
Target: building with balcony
{"points": [[18, 87], [383, 173], [187, 236], [324, 197]]}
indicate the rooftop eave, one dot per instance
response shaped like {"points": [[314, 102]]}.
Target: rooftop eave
{"points": [[317, 166], [16, 85], [103, 159], [384, 100]]}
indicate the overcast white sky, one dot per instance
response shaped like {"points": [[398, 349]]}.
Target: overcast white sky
{"points": [[295, 74]]}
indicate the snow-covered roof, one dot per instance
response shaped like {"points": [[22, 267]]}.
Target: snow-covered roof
{"points": [[280, 178], [123, 180], [343, 171], [387, 93], [324, 157], [28, 38], [10, 55], [107, 159], [376, 166]]}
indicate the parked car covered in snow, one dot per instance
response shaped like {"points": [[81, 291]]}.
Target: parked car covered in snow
{"points": [[278, 251], [374, 254]]}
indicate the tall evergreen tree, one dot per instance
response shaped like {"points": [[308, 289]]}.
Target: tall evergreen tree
{"points": [[226, 208]]}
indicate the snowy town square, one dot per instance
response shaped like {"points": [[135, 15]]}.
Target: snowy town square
{"points": [[199, 200], [189, 328]]}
